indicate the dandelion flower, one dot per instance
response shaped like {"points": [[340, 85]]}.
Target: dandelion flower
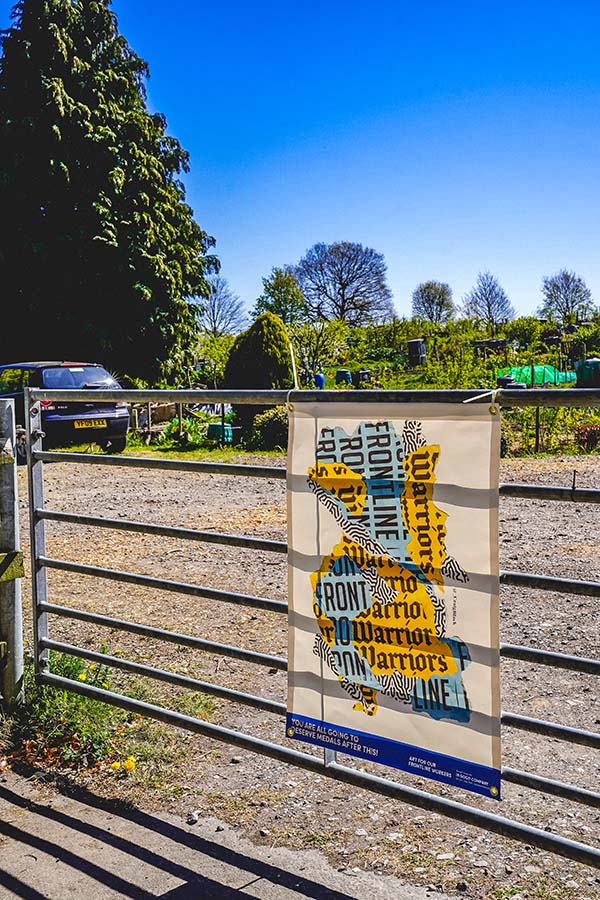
{"points": [[92, 666], [83, 677], [105, 685], [129, 764], [115, 766]]}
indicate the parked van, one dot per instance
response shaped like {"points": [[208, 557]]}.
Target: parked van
{"points": [[97, 421]]}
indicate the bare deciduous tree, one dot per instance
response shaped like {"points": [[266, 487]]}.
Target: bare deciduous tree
{"points": [[566, 296], [222, 312], [345, 281], [488, 301]]}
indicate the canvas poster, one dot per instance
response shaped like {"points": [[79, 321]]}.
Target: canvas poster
{"points": [[393, 567]]}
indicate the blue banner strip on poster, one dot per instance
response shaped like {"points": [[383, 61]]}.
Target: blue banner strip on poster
{"points": [[425, 763]]}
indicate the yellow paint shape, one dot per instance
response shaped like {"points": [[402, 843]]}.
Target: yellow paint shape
{"points": [[343, 483], [425, 521], [392, 636]]}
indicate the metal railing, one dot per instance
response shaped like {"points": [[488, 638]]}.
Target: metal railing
{"points": [[327, 765]]}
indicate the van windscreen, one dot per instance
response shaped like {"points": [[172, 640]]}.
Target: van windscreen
{"points": [[78, 377]]}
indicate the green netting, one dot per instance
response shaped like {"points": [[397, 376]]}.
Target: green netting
{"points": [[545, 374]]}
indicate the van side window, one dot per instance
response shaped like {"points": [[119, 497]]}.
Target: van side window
{"points": [[10, 381]]}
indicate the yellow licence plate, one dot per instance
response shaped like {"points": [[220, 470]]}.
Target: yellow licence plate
{"points": [[90, 423]]}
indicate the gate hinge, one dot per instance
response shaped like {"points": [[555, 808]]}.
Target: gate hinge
{"points": [[11, 566]]}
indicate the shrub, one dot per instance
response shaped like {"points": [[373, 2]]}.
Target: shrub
{"points": [[270, 430], [587, 436], [561, 430], [193, 432], [260, 359], [61, 727]]}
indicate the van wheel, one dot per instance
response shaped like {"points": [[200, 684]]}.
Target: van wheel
{"points": [[116, 445], [21, 453], [21, 447]]}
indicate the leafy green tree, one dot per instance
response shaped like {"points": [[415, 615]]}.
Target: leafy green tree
{"points": [[384, 343], [345, 281], [567, 297], [281, 296], [213, 353], [261, 359], [432, 301], [590, 335], [100, 254], [526, 330], [318, 345]]}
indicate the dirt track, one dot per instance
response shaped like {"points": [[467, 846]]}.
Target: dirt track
{"points": [[274, 803]]}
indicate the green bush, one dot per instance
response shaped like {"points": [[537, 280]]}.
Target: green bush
{"points": [[260, 359], [62, 726], [270, 430], [566, 430], [193, 432]]}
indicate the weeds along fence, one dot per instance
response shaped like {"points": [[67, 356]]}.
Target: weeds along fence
{"points": [[326, 763]]}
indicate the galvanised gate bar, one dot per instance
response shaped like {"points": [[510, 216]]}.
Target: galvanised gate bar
{"points": [[325, 764]]}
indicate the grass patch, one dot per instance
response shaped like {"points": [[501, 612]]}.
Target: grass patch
{"points": [[544, 890], [161, 754], [202, 454], [196, 705], [317, 839], [417, 859], [505, 892], [189, 703], [6, 728], [172, 449], [59, 727], [240, 809]]}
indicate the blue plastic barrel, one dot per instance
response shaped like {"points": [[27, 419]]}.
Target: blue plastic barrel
{"points": [[343, 376], [218, 432]]}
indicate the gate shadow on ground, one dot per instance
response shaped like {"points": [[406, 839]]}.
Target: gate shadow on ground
{"points": [[18, 888], [195, 885]]}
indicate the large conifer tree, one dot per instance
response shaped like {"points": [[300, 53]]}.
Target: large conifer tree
{"points": [[99, 252]]}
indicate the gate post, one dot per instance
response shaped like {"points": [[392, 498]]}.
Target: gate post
{"points": [[37, 532], [11, 565]]}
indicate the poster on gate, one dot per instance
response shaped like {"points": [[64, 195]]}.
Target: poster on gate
{"points": [[393, 581]]}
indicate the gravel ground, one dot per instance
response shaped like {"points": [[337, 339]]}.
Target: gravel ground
{"points": [[273, 803]]}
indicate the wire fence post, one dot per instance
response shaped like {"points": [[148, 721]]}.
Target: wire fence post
{"points": [[11, 565]]}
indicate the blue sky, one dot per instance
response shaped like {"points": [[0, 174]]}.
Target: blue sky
{"points": [[451, 137]]}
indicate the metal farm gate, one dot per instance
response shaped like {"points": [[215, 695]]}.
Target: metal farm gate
{"points": [[325, 763]]}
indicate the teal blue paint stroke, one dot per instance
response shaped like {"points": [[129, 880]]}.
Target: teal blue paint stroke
{"points": [[343, 573], [459, 710]]}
